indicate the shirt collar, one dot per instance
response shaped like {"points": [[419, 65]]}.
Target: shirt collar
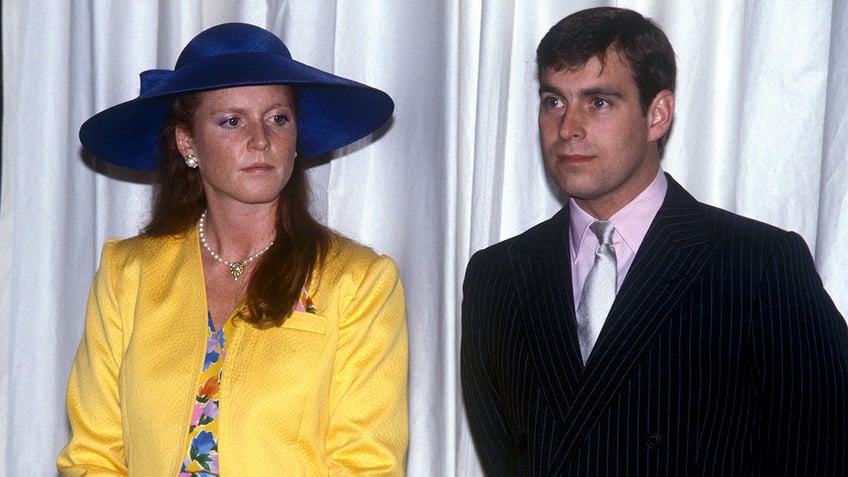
{"points": [[631, 222]]}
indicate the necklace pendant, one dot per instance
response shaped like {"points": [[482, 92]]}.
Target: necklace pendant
{"points": [[236, 269]]}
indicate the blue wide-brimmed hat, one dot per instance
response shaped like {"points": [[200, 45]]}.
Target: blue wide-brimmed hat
{"points": [[332, 111]]}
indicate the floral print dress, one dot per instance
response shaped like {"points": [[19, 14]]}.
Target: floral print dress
{"points": [[202, 442]]}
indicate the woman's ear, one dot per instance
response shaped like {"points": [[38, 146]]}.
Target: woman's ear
{"points": [[660, 115], [184, 142]]}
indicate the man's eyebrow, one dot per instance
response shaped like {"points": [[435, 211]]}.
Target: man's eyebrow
{"points": [[549, 89], [594, 91], [600, 92]]}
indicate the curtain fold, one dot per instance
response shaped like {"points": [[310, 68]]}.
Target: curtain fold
{"points": [[832, 236], [760, 129]]}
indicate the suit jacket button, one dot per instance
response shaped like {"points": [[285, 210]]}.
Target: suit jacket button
{"points": [[521, 441], [654, 441]]}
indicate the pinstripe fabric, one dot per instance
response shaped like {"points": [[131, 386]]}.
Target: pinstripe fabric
{"points": [[722, 355]]}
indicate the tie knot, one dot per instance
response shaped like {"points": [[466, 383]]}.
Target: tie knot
{"points": [[603, 230]]}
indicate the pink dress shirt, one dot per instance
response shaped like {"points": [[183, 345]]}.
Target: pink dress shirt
{"points": [[631, 224]]}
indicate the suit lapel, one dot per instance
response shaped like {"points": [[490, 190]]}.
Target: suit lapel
{"points": [[543, 277], [673, 252]]}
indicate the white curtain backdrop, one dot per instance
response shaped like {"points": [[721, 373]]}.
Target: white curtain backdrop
{"points": [[760, 129]]}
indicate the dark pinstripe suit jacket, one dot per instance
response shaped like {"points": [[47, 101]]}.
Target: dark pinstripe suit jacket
{"points": [[721, 356]]}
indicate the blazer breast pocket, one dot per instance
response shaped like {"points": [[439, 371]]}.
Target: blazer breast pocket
{"points": [[303, 321]]}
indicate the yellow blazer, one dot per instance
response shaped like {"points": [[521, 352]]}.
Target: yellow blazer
{"points": [[325, 394]]}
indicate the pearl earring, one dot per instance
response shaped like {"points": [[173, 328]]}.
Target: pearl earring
{"points": [[191, 161]]}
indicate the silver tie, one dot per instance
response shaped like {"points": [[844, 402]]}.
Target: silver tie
{"points": [[598, 289]]}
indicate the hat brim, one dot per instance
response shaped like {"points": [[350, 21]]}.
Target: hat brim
{"points": [[332, 111]]}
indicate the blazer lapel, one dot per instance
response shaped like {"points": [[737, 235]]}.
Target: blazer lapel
{"points": [[543, 275], [669, 259]]}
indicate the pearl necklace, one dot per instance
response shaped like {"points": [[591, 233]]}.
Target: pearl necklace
{"points": [[236, 268]]}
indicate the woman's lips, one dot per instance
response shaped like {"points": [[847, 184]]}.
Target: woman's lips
{"points": [[258, 168]]}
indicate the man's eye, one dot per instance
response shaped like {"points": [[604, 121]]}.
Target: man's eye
{"points": [[231, 122], [600, 103], [280, 119], [551, 102]]}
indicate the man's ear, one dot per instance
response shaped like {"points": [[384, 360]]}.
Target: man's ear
{"points": [[184, 142], [660, 115]]}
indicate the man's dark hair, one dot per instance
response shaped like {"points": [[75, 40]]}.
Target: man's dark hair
{"points": [[596, 32]]}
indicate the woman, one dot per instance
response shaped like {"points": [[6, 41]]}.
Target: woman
{"points": [[236, 335]]}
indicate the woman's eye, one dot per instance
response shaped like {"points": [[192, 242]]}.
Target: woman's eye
{"points": [[231, 122], [279, 119]]}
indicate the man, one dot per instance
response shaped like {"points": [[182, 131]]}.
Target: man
{"points": [[713, 350]]}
